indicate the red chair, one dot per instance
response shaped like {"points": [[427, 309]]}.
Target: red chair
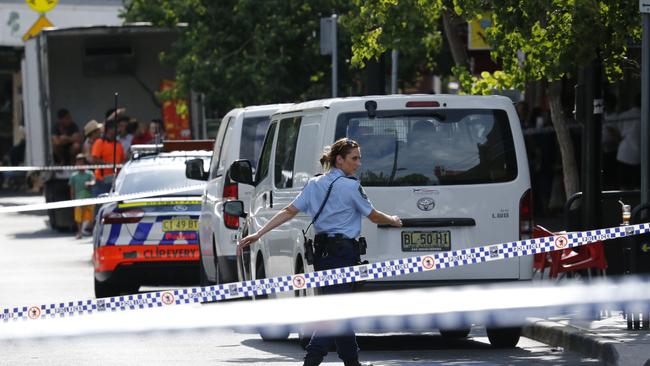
{"points": [[570, 259]]}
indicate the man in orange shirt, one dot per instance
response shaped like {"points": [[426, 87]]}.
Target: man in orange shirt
{"points": [[104, 151]]}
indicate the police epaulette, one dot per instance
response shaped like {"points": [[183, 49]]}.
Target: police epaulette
{"points": [[353, 178]]}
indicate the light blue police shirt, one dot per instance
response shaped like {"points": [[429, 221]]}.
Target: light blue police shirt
{"points": [[344, 208]]}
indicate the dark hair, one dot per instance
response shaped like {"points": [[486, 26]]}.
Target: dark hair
{"points": [[341, 147], [159, 122], [62, 113]]}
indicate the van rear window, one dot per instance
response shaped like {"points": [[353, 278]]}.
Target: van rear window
{"points": [[252, 137], [432, 147]]}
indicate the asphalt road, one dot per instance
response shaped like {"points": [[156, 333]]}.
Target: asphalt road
{"points": [[39, 266]]}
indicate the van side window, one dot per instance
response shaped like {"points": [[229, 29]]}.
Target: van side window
{"points": [[265, 158], [215, 167], [285, 151]]}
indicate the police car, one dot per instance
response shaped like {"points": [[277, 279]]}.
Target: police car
{"points": [[150, 241]]}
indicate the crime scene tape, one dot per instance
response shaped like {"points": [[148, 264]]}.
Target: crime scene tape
{"points": [[99, 200], [301, 281], [502, 305], [56, 167]]}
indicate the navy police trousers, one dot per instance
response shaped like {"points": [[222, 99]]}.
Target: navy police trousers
{"points": [[346, 344]]}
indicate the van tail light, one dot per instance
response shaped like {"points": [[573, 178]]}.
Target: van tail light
{"points": [[125, 217], [231, 192], [526, 216]]}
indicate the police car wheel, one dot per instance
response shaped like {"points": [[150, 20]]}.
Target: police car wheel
{"points": [[274, 335], [105, 289], [454, 333], [504, 337]]}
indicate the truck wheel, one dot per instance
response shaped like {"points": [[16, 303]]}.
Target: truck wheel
{"points": [[504, 337], [454, 333], [105, 289]]}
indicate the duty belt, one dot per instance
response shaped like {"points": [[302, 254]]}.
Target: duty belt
{"points": [[332, 241]]}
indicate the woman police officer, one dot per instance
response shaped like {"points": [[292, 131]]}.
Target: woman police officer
{"points": [[338, 224]]}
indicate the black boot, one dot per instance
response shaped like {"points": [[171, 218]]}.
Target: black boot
{"points": [[313, 360], [355, 362]]}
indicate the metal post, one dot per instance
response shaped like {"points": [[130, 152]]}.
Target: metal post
{"points": [[645, 97], [393, 72], [335, 46]]}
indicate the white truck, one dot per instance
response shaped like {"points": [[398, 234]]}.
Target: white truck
{"points": [[80, 69]]}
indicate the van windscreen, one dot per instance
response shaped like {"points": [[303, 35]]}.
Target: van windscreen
{"points": [[432, 147], [252, 138]]}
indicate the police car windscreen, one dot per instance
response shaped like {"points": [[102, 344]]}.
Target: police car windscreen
{"points": [[252, 138], [161, 174], [432, 147]]}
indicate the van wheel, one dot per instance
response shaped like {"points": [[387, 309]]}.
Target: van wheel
{"points": [[454, 333], [303, 337], [504, 337], [274, 335], [203, 275], [106, 289], [217, 274]]}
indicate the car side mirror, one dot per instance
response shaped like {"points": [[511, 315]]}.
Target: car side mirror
{"points": [[234, 208], [194, 170], [241, 171]]}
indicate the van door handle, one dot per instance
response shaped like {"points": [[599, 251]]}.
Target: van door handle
{"points": [[437, 222]]}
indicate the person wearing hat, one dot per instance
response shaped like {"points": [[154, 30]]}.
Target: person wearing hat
{"points": [[80, 183], [92, 131]]}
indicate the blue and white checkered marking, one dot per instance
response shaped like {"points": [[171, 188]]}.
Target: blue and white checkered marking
{"points": [[390, 268]]}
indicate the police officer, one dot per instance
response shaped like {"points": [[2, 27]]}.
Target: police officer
{"points": [[338, 224]]}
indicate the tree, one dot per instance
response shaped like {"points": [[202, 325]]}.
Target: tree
{"points": [[536, 40], [245, 52]]}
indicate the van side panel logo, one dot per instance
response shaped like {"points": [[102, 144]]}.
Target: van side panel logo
{"points": [[426, 204]]}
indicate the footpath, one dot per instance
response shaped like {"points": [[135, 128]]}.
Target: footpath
{"points": [[607, 339]]}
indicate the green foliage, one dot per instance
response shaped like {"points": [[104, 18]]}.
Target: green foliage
{"points": [[244, 52], [377, 26], [533, 39]]}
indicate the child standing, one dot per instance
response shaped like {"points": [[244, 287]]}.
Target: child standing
{"points": [[80, 183]]}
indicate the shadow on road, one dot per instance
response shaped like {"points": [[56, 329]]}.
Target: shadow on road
{"points": [[39, 234]]}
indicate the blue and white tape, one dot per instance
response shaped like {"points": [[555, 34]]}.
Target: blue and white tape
{"points": [[56, 167], [100, 200], [412, 310], [390, 268]]}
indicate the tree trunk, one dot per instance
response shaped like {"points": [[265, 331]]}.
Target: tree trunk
{"points": [[452, 23], [560, 123]]}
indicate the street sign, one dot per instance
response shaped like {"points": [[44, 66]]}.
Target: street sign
{"points": [[326, 40], [39, 24], [644, 6], [42, 6], [476, 38]]}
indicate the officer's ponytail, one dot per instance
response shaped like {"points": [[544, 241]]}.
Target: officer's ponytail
{"points": [[340, 147]]}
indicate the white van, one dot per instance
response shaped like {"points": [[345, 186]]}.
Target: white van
{"points": [[453, 168], [240, 136]]}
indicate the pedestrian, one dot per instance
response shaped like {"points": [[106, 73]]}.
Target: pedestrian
{"points": [[66, 139], [92, 131], [80, 184], [628, 155], [104, 152], [337, 226]]}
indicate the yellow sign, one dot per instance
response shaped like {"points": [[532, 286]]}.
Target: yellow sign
{"points": [[42, 6], [39, 24], [645, 248], [476, 38]]}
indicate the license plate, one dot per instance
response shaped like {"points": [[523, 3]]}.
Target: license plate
{"points": [[426, 241], [180, 225]]}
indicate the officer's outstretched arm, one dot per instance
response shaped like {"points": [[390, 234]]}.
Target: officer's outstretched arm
{"points": [[381, 218], [280, 218]]}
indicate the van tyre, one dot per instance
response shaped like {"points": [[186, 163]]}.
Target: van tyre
{"points": [[303, 338], [504, 337], [454, 333]]}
